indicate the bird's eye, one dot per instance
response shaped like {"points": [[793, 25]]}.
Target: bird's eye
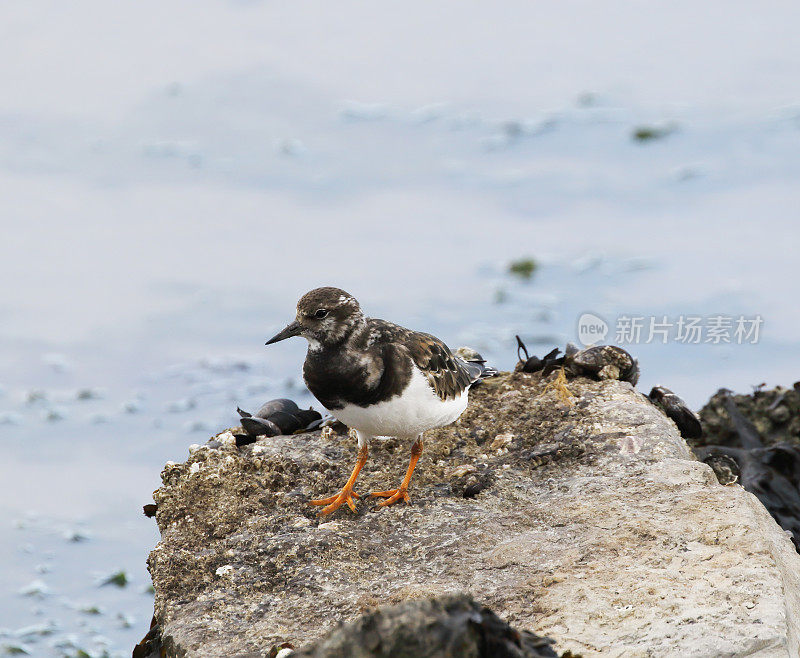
{"points": [[320, 313]]}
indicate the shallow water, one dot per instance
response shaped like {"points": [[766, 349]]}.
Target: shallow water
{"points": [[166, 204]]}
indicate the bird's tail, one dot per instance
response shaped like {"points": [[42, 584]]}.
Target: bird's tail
{"points": [[486, 371], [476, 367]]}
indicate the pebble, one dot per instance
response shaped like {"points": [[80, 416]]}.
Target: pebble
{"points": [[464, 469], [225, 570], [330, 525], [501, 441], [227, 438]]}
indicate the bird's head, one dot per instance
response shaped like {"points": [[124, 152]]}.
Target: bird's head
{"points": [[325, 316]]}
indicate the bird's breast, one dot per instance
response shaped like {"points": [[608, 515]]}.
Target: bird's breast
{"points": [[337, 379], [414, 410]]}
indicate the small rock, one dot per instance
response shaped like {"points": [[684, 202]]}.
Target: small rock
{"points": [[501, 441], [226, 438], [468, 354], [464, 469], [330, 525]]}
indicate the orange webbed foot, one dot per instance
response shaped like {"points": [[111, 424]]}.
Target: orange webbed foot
{"points": [[392, 496], [336, 501]]}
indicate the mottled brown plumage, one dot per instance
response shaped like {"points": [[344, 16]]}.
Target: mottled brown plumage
{"points": [[448, 375], [378, 377]]}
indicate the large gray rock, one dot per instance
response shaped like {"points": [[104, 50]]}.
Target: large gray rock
{"points": [[589, 523]]}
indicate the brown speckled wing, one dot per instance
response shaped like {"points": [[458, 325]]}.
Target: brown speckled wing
{"points": [[446, 373]]}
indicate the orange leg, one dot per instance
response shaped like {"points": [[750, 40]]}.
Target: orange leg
{"points": [[347, 494], [393, 495]]}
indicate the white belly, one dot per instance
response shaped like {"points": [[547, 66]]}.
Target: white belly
{"points": [[418, 409]]}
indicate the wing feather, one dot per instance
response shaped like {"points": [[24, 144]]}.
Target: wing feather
{"points": [[448, 374]]}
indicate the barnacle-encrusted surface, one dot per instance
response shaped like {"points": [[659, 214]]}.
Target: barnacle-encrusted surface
{"points": [[590, 523]]}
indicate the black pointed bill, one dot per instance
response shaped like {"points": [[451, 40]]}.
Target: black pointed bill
{"points": [[293, 329]]}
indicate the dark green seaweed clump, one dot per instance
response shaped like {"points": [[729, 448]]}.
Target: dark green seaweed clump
{"points": [[120, 579], [523, 268], [650, 133]]}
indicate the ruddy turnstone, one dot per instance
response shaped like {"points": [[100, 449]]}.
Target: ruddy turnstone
{"points": [[378, 378]]}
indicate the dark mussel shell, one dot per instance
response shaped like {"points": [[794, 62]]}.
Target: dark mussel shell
{"points": [[306, 417], [549, 361], [260, 427], [687, 421], [592, 360], [274, 406], [288, 423]]}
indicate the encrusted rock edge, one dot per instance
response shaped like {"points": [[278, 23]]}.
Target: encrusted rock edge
{"points": [[593, 524]]}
